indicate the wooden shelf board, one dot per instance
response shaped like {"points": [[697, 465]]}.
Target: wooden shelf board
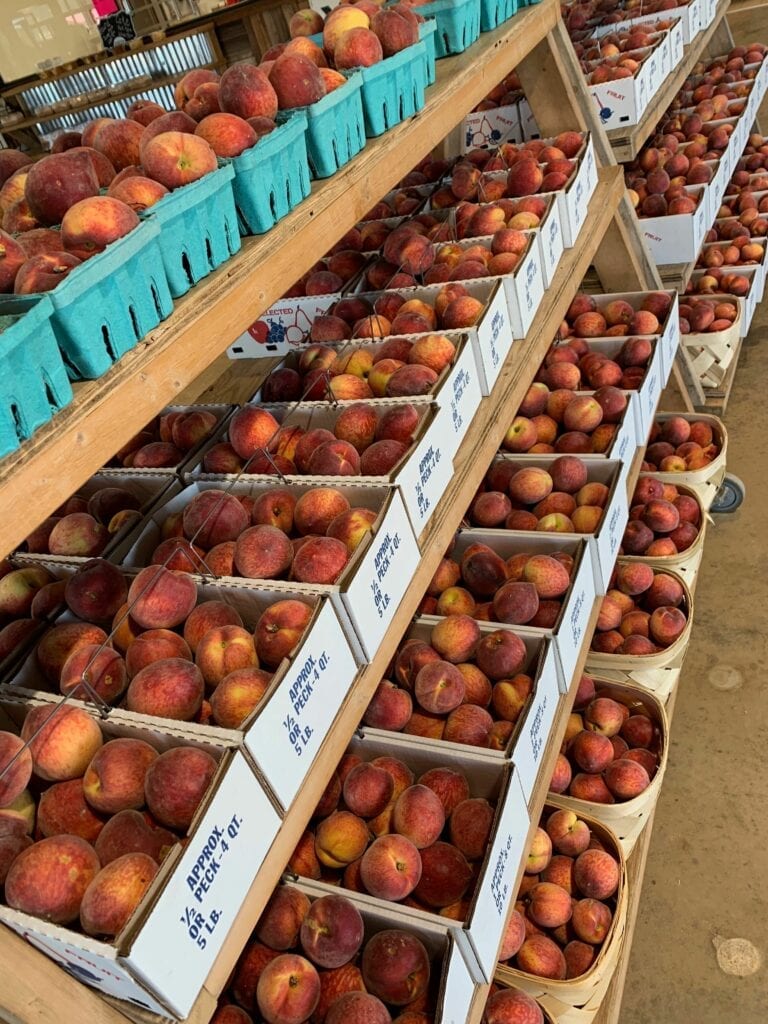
{"points": [[627, 142], [482, 441], [63, 454]]}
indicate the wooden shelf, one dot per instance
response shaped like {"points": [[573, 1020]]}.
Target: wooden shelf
{"points": [[480, 444], [627, 142], [157, 83], [63, 454]]}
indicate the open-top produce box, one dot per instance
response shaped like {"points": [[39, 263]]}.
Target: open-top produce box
{"points": [[360, 553], [262, 668], [143, 927]]}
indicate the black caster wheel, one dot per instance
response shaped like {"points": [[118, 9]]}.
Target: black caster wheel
{"points": [[730, 496]]}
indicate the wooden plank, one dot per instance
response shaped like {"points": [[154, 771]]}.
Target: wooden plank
{"points": [[478, 448], [64, 453], [554, 85], [34, 988], [627, 142]]}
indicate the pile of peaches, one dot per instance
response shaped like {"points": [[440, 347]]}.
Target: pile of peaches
{"points": [[83, 843], [644, 612], [678, 445], [611, 750], [171, 655], [662, 521], [566, 902]]}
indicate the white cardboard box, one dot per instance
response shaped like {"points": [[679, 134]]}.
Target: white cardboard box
{"points": [[281, 328], [685, 29], [449, 951], [573, 200], [527, 120], [532, 729], [492, 780], [605, 542], [284, 734], [374, 581], [677, 238], [622, 102], [489, 128], [161, 960], [456, 391], [578, 601]]}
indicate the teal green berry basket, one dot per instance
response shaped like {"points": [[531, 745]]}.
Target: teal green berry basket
{"points": [[427, 31], [335, 127], [495, 12], [34, 385], [103, 308], [393, 89], [272, 177], [458, 24], [198, 229]]}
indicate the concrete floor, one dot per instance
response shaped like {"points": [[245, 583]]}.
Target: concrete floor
{"points": [[705, 877]]}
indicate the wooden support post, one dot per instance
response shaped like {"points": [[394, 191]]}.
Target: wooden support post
{"points": [[554, 86], [721, 40]]}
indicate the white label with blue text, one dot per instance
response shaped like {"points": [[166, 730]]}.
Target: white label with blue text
{"points": [[537, 723], [383, 576], [424, 478], [288, 732], [495, 890], [194, 913], [571, 633]]}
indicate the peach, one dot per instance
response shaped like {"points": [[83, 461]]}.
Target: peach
{"points": [[591, 751], [334, 985], [137, 192], [637, 730], [62, 741], [561, 775], [439, 687], [114, 779], [332, 931], [591, 921], [501, 654], [92, 669], [516, 602], [548, 575], [634, 578], [237, 695], [176, 158], [395, 967], [450, 786], [367, 790], [470, 827], [626, 779], [568, 833], [455, 638], [11, 845], [419, 816], [357, 1008], [341, 838], [320, 560], [317, 508], [129, 832], [596, 874], [213, 517], [168, 688], [469, 725], [207, 616], [224, 649], [511, 1006], [579, 957], [391, 867], [92, 224], [296, 80], [540, 956], [18, 589], [539, 852], [280, 923], [56, 183], [160, 598], [357, 48], [49, 878], [445, 877], [604, 715], [288, 990], [155, 645], [176, 782], [77, 534], [549, 906], [15, 767], [510, 696], [96, 591], [666, 625], [483, 571], [115, 892], [280, 629]]}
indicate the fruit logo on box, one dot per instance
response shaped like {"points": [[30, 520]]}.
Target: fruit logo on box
{"points": [[482, 134], [270, 331], [606, 113]]}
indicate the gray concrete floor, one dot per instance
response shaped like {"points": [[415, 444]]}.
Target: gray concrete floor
{"points": [[706, 873]]}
